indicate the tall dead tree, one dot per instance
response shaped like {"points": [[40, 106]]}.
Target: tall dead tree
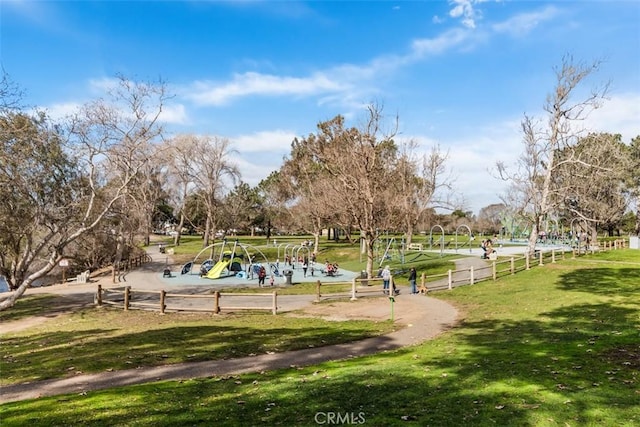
{"points": [[539, 166]]}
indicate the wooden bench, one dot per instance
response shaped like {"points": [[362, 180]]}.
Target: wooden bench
{"points": [[415, 246]]}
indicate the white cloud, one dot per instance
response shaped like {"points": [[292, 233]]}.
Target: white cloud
{"points": [[348, 84], [254, 169], [524, 23], [466, 10], [440, 44], [60, 111], [261, 153], [472, 160], [265, 141], [174, 114], [251, 83], [103, 85], [620, 114]]}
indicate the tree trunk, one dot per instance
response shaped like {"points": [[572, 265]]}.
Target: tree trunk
{"points": [[176, 239], [638, 218], [207, 231], [118, 256], [268, 231], [409, 234], [370, 245], [533, 237]]}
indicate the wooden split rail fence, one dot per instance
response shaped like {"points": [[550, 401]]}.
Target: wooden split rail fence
{"points": [[128, 298], [350, 289], [496, 269], [119, 268]]}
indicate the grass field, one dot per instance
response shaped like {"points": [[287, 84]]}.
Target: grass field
{"points": [[557, 345]]}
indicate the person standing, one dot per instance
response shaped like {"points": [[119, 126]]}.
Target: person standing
{"points": [[262, 273], [412, 280], [386, 277]]}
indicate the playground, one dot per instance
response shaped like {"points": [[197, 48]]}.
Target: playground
{"points": [[226, 264], [233, 264]]}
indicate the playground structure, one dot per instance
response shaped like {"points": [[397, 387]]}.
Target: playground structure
{"points": [[228, 259], [294, 256], [514, 229], [468, 242], [392, 250], [441, 240]]}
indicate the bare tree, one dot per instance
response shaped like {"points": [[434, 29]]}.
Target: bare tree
{"points": [[64, 181], [422, 183], [178, 154], [212, 173], [10, 93], [307, 186], [490, 218], [539, 165], [360, 163]]}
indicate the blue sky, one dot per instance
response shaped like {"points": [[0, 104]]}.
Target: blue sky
{"points": [[458, 73]]}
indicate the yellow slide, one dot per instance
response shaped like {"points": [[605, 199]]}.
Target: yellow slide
{"points": [[215, 271]]}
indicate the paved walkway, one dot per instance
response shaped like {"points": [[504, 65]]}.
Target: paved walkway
{"points": [[419, 318]]}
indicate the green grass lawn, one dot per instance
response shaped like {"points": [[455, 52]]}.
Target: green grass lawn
{"points": [[557, 345], [96, 340]]}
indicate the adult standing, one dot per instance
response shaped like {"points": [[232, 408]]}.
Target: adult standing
{"points": [[262, 273], [412, 280], [386, 277]]}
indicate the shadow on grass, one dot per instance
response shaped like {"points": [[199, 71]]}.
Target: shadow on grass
{"points": [[607, 281], [573, 364], [37, 357], [46, 305], [556, 370]]}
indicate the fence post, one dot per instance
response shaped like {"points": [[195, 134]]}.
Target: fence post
{"points": [[317, 292], [553, 256], [513, 265], [162, 297], [99, 296], [216, 302], [494, 273], [471, 275], [353, 289], [450, 280], [127, 292], [275, 302], [540, 257], [526, 261]]}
